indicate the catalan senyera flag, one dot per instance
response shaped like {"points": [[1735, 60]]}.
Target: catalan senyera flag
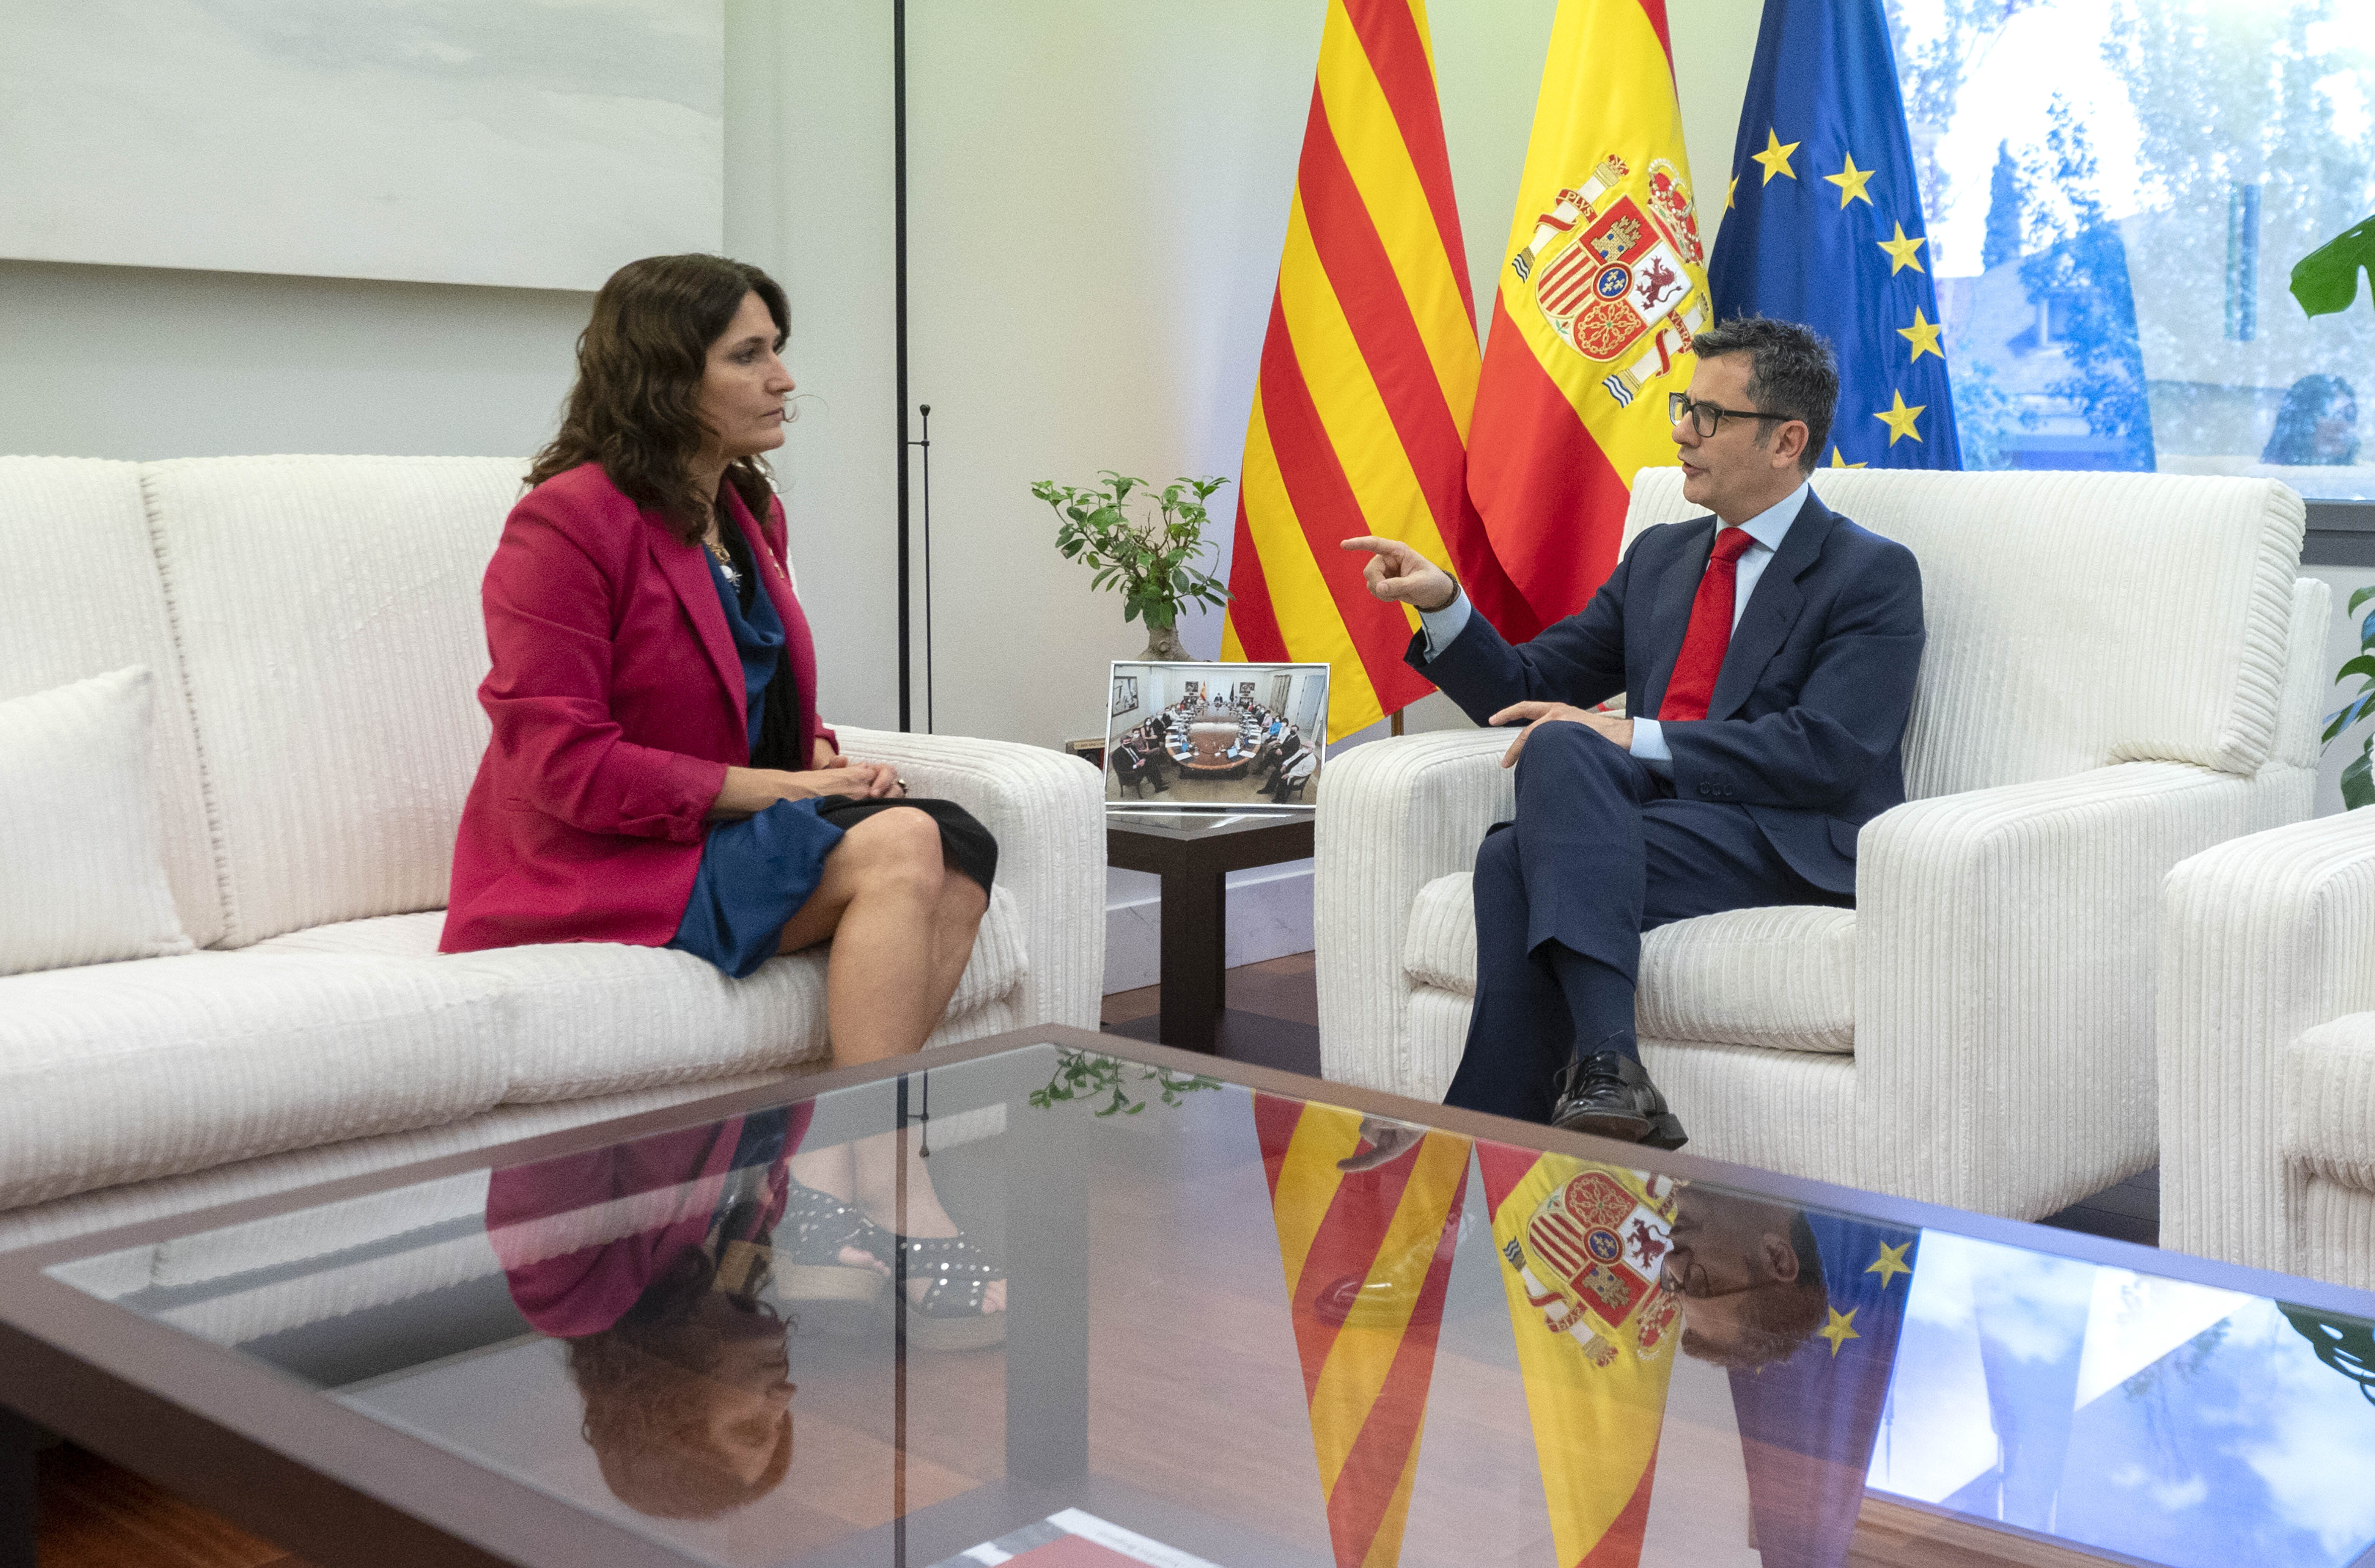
{"points": [[1368, 372], [1582, 1260], [1601, 290], [1367, 1256]]}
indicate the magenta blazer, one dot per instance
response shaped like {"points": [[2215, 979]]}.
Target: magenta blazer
{"points": [[583, 1236], [617, 702]]}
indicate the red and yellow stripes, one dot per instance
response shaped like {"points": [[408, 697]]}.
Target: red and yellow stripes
{"points": [[1551, 458], [1368, 371], [1367, 1256]]}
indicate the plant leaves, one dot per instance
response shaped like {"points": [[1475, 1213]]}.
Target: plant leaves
{"points": [[2326, 279], [2358, 780], [2358, 598]]}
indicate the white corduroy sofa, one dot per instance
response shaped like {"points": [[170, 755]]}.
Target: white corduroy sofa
{"points": [[313, 629], [2267, 1050], [2122, 671]]}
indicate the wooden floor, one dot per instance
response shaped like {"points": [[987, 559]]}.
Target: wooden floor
{"points": [[97, 1516], [1271, 1015]]}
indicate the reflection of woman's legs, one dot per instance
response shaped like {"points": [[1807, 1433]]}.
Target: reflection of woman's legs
{"points": [[903, 927]]}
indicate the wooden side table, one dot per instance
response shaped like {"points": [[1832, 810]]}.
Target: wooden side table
{"points": [[1194, 858]]}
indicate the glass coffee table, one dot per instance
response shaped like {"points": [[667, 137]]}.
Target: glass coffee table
{"points": [[1253, 1320]]}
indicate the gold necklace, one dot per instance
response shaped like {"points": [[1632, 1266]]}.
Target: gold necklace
{"points": [[725, 561]]}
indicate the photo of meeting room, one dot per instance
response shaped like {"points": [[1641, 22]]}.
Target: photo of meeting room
{"points": [[1187, 736]]}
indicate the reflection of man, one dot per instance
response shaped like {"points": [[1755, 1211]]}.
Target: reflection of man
{"points": [[1750, 1275], [1774, 643]]}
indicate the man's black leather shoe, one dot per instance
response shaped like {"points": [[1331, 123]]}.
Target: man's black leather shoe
{"points": [[1608, 1094]]}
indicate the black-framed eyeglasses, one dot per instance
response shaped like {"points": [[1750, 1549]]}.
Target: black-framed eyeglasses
{"points": [[1707, 418]]}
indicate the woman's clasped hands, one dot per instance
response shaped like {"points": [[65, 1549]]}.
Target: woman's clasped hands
{"points": [[750, 791]]}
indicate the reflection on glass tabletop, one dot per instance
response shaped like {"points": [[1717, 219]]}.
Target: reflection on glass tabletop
{"points": [[1157, 1317]]}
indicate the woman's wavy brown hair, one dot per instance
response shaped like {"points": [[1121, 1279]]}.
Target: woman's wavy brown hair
{"points": [[645, 1382], [636, 406]]}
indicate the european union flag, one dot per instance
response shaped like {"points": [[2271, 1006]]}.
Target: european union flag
{"points": [[1807, 1423], [1823, 225]]}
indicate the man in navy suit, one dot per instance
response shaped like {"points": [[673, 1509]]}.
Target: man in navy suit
{"points": [[1767, 654]]}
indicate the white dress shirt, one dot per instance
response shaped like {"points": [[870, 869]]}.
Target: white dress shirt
{"points": [[1767, 529]]}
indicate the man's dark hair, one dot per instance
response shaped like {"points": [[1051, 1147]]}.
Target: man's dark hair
{"points": [[1778, 1316], [1791, 375]]}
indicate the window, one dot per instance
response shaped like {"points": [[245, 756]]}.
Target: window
{"points": [[2117, 192]]}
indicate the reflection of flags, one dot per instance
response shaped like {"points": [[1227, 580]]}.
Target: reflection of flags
{"points": [[1368, 371], [1601, 286], [1806, 1424], [1367, 1257], [1827, 228], [1582, 1249]]}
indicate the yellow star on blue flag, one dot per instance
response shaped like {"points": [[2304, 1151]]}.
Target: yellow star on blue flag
{"points": [[1890, 1262], [1850, 262]]}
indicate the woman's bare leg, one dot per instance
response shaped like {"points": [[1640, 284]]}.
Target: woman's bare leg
{"points": [[903, 928]]}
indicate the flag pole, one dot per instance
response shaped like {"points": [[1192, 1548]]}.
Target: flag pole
{"points": [[899, 313]]}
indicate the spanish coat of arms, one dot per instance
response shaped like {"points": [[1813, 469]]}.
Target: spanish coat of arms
{"points": [[1619, 278], [1592, 1258]]}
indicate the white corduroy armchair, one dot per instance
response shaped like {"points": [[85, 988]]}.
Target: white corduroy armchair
{"points": [[2267, 1050], [2121, 672]]}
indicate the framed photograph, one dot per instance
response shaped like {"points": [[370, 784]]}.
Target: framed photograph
{"points": [[1216, 738]]}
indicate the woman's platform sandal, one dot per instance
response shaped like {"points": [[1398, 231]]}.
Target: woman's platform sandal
{"points": [[956, 1276], [814, 1229]]}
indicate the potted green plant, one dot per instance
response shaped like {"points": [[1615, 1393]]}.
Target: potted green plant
{"points": [[1147, 550]]}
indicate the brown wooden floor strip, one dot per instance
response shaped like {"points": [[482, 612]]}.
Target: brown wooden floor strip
{"points": [[96, 1515]]}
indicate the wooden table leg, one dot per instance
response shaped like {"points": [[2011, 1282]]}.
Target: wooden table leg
{"points": [[1195, 948], [19, 1490]]}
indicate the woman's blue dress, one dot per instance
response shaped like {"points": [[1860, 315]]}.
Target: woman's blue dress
{"points": [[755, 873]]}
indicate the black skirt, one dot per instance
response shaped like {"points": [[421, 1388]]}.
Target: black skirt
{"points": [[966, 844]]}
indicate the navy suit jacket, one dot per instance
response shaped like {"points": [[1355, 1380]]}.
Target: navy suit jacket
{"points": [[1807, 723]]}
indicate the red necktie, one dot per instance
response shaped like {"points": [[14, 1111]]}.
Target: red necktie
{"points": [[1703, 645]]}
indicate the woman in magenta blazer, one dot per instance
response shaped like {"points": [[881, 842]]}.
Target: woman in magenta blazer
{"points": [[657, 773]]}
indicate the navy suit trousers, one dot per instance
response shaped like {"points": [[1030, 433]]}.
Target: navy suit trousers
{"points": [[1601, 851]]}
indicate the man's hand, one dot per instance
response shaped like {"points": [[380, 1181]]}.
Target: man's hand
{"points": [[1618, 731], [1399, 574]]}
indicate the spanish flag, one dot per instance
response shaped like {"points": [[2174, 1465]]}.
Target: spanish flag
{"points": [[1368, 372], [1368, 1255], [1601, 290], [1582, 1251]]}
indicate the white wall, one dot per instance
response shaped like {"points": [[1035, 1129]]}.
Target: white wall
{"points": [[141, 363], [807, 197]]}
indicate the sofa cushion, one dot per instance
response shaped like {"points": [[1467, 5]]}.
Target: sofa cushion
{"points": [[82, 879], [82, 596], [328, 615], [2061, 637], [162, 1066], [598, 1017], [1782, 978], [2328, 1093]]}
